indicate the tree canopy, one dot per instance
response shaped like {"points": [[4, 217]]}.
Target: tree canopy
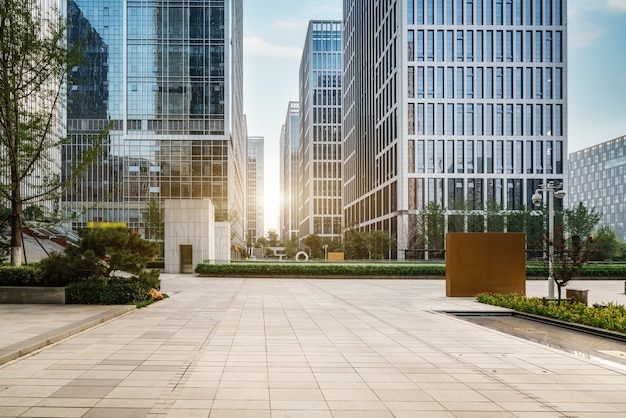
{"points": [[34, 63]]}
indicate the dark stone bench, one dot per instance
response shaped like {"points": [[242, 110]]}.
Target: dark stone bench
{"points": [[31, 294]]}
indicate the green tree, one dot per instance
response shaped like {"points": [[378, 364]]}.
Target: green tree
{"points": [[605, 244], [432, 222], [34, 63], [456, 217], [263, 244], [101, 252], [569, 256], [581, 221], [494, 215], [153, 218], [379, 244], [355, 244], [273, 239], [314, 242], [291, 248]]}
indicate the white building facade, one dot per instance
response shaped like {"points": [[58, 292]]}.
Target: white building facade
{"points": [[597, 178], [456, 102]]}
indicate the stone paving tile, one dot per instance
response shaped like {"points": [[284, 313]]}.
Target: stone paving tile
{"points": [[305, 348]]}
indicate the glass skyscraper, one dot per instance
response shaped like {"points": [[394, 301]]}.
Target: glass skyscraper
{"points": [[289, 146], [255, 203], [165, 79], [456, 102], [320, 156]]}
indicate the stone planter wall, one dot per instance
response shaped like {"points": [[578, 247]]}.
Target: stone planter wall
{"points": [[34, 295]]}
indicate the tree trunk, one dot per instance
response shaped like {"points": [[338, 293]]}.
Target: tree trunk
{"points": [[16, 229]]}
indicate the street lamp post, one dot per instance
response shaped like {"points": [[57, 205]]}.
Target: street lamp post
{"points": [[554, 190]]}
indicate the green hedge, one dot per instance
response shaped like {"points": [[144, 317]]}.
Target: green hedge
{"points": [[114, 291], [21, 276], [589, 270], [351, 270], [295, 269], [610, 317], [155, 264]]}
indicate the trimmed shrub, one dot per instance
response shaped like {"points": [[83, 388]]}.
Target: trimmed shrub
{"points": [[294, 269], [114, 291], [20, 276], [155, 264], [610, 317]]}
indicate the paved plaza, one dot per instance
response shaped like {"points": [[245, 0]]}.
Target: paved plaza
{"points": [[296, 348]]}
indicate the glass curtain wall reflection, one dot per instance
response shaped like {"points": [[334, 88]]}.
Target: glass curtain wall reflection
{"points": [[162, 78]]}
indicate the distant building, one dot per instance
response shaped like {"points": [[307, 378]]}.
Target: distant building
{"points": [[597, 178], [289, 146], [256, 192], [453, 102], [320, 157], [165, 79]]}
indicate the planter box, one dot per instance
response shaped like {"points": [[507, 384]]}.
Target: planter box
{"points": [[32, 295]]}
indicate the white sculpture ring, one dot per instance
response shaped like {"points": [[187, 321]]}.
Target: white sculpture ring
{"points": [[306, 256]]}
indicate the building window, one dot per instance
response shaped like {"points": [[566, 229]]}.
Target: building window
{"points": [[430, 48], [470, 156], [480, 157], [470, 83]]}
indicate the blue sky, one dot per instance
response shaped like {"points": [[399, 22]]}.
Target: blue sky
{"points": [[274, 34]]}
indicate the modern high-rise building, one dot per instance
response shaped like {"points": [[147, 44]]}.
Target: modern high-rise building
{"points": [[165, 79], [456, 102], [289, 146], [597, 178], [255, 179], [320, 156]]}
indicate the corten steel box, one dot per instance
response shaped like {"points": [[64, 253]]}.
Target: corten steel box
{"points": [[479, 262], [335, 256]]}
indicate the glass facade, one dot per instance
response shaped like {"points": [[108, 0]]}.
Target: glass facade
{"points": [[597, 178], [320, 154], [164, 78], [466, 93], [289, 158], [255, 191]]}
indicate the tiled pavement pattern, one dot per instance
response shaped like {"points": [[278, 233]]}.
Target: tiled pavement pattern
{"points": [[307, 348]]}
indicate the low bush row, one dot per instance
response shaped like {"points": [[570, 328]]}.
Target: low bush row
{"points": [[589, 270], [102, 291], [310, 269], [347, 269], [24, 276], [611, 317]]}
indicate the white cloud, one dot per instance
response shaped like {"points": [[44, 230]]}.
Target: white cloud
{"points": [[616, 5], [292, 24], [576, 7], [257, 47], [586, 33]]}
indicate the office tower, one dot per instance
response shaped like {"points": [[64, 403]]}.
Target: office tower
{"points": [[256, 189], [457, 102], [289, 146], [320, 203], [165, 79], [597, 178]]}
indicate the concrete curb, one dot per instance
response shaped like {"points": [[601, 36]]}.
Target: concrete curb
{"points": [[22, 348]]}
